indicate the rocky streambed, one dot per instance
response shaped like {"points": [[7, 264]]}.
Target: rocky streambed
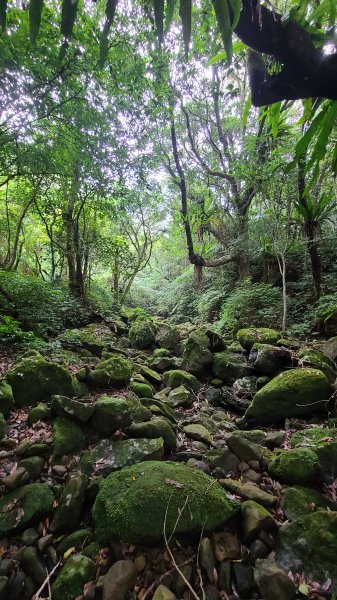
{"points": [[146, 460]]}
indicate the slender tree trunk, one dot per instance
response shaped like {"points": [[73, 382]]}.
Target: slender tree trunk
{"points": [[282, 268], [242, 258]]}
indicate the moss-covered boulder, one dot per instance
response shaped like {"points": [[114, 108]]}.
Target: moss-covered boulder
{"points": [[33, 379], [298, 501], [76, 410], [25, 506], [40, 412], [132, 503], [142, 390], [299, 465], [197, 357], [139, 413], [69, 583], [68, 511], [158, 427], [308, 545], [262, 335], [115, 372], [314, 358], [6, 398], [269, 360], [177, 377], [111, 413], [168, 336], [323, 441], [293, 393], [229, 367], [67, 437], [108, 456], [77, 339], [2, 426], [181, 396], [142, 333]]}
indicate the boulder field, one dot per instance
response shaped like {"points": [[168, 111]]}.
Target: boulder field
{"points": [[146, 460]]}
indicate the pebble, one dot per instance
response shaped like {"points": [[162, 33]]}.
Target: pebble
{"points": [[120, 578], [225, 546]]}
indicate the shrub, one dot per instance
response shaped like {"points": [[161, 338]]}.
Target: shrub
{"points": [[11, 332]]}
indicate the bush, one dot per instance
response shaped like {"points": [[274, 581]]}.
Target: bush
{"points": [[251, 305], [11, 332]]}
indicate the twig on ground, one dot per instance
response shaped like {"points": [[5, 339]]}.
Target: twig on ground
{"points": [[46, 581]]}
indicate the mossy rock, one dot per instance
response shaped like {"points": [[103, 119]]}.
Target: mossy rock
{"points": [[68, 510], [77, 539], [142, 390], [158, 427], [319, 360], [6, 398], [25, 506], [132, 503], [323, 441], [297, 501], [142, 333], [34, 379], [69, 583], [269, 360], [115, 371], [139, 413], [2, 426], [308, 545], [181, 396], [72, 409], [67, 437], [111, 413], [295, 466], [177, 377], [150, 374], [109, 456], [262, 335], [229, 367], [197, 357], [168, 337], [293, 393], [81, 339], [40, 412]]}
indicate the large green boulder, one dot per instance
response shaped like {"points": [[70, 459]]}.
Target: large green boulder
{"points": [[299, 465], [142, 390], [111, 413], [6, 398], [308, 545], [33, 379], [293, 393], [168, 336], [252, 335], [229, 367], [142, 333], [177, 377], [269, 360], [115, 372], [297, 501], [197, 357], [77, 571], [73, 409], [109, 456], [67, 437], [314, 358], [323, 441], [138, 504], [25, 506], [158, 427], [78, 339]]}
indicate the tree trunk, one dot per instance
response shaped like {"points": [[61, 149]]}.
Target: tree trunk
{"points": [[315, 258], [242, 257]]}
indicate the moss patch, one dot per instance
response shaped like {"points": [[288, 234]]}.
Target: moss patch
{"points": [[250, 336], [295, 466], [67, 437], [24, 506]]}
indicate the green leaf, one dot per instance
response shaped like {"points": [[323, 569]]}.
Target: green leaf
{"points": [[302, 145], [68, 18], [35, 12], [185, 13], [275, 111], [328, 123], [236, 49], [224, 23], [3, 14], [169, 13], [304, 589], [236, 9]]}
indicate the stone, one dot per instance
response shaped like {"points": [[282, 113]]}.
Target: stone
{"points": [[152, 376], [308, 545], [322, 441], [71, 409], [164, 363], [119, 580], [139, 413], [142, 333], [314, 358], [24, 506], [269, 360], [158, 427], [243, 448], [230, 367], [181, 396], [206, 558], [197, 357], [32, 565], [29, 536], [223, 459], [38, 413], [2, 426], [249, 491], [113, 372], [44, 542], [34, 466], [78, 539], [15, 479], [163, 593], [108, 456], [168, 336], [250, 336], [226, 546], [6, 398], [33, 379], [76, 572], [132, 503], [297, 501], [272, 581], [77, 339], [299, 465], [68, 511], [142, 390], [111, 413], [198, 432], [293, 393], [178, 377], [246, 386], [330, 348], [255, 518], [67, 437], [193, 463], [244, 579]]}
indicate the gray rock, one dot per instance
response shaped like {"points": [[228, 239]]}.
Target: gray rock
{"points": [[68, 511], [255, 518], [206, 558], [243, 448], [163, 593], [272, 581], [198, 432], [74, 409], [109, 456], [119, 580], [32, 565], [111, 413], [249, 491]]}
